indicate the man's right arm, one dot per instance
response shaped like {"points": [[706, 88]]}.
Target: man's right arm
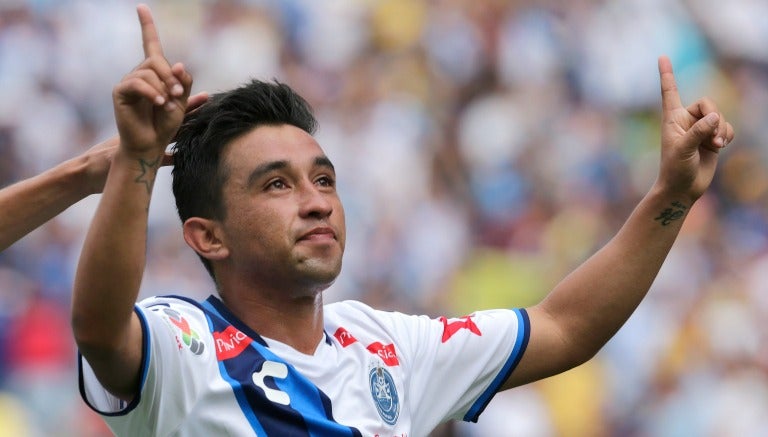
{"points": [[149, 107], [109, 274]]}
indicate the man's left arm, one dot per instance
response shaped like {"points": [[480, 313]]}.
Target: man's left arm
{"points": [[590, 305]]}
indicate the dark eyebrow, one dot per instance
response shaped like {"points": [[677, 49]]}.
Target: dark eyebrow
{"points": [[323, 161], [265, 168], [260, 171]]}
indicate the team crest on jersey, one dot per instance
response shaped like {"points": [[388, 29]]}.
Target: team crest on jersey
{"points": [[384, 393], [189, 337]]}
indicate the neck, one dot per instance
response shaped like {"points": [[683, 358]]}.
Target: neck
{"points": [[293, 319]]}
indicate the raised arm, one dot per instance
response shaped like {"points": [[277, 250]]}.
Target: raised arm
{"points": [[590, 305], [149, 106]]}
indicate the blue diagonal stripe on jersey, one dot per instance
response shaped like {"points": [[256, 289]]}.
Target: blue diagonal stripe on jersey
{"points": [[309, 412], [239, 391]]}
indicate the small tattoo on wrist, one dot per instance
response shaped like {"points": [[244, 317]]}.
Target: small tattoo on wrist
{"points": [[147, 175], [675, 212]]}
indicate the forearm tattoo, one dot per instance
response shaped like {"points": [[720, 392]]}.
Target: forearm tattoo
{"points": [[147, 176], [675, 212]]}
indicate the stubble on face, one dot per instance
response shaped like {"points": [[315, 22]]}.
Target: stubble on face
{"points": [[274, 236]]}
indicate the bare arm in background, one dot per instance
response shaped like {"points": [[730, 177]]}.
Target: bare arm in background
{"points": [[28, 204]]}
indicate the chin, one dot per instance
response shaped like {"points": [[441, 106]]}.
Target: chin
{"points": [[316, 285], [320, 273], [325, 280]]}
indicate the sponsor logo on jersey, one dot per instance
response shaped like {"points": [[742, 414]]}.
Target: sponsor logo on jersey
{"points": [[273, 370], [385, 352], [189, 337], [230, 343], [452, 326], [384, 393], [344, 337]]}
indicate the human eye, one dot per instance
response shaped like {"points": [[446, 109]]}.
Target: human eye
{"points": [[326, 181], [276, 184]]}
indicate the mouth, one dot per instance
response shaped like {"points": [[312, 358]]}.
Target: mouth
{"points": [[320, 233]]}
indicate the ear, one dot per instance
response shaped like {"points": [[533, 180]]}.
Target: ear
{"points": [[204, 236]]}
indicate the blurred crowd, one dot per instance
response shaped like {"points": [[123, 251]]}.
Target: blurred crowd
{"points": [[484, 149]]}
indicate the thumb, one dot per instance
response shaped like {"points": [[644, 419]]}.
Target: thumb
{"points": [[702, 130]]}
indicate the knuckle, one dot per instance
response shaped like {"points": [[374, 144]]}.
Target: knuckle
{"points": [[700, 129], [132, 81]]}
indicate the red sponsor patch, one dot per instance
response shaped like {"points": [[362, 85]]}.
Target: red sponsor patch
{"points": [[344, 337], [455, 325], [386, 353], [230, 343]]}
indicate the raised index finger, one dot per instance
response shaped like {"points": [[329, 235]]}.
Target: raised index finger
{"points": [[670, 98], [150, 40]]}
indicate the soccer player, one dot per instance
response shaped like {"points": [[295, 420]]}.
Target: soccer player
{"points": [[265, 356]]}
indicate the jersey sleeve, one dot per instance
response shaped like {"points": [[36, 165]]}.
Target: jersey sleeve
{"points": [[457, 365], [172, 347]]}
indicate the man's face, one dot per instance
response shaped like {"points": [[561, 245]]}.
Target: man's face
{"points": [[284, 220]]}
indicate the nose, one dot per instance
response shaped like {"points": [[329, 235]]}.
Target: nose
{"points": [[314, 202]]}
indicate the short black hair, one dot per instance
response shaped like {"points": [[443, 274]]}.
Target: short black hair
{"points": [[198, 177]]}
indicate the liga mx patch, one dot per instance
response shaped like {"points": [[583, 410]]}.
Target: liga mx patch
{"points": [[189, 336], [384, 393]]}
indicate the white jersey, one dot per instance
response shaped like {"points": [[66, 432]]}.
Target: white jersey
{"points": [[375, 373]]}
